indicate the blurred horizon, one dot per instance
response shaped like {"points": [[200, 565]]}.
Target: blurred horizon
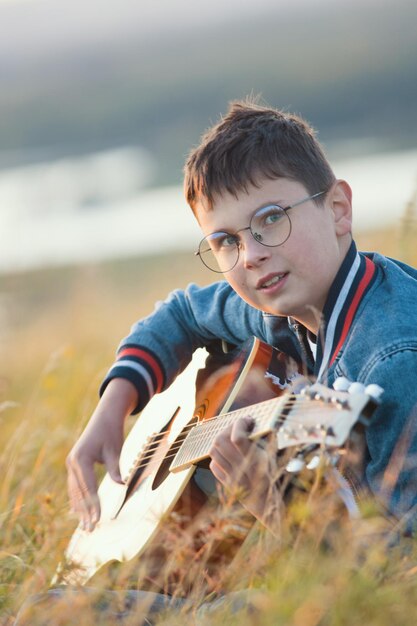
{"points": [[77, 79], [101, 102]]}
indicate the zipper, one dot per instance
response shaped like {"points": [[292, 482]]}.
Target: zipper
{"points": [[308, 360]]}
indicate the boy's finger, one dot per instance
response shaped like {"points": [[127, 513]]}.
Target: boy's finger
{"points": [[82, 487], [240, 433], [221, 459], [111, 461]]}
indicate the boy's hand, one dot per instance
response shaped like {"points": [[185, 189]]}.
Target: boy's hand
{"points": [[101, 442], [246, 469]]}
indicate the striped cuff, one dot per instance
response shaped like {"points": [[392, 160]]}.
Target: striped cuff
{"points": [[142, 368]]}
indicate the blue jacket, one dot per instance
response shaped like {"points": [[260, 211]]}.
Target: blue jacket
{"points": [[376, 342]]}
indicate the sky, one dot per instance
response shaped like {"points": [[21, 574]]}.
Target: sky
{"points": [[30, 27]]}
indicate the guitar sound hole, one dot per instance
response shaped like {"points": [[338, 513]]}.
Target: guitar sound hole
{"points": [[163, 470], [133, 482], [135, 478], [161, 474]]}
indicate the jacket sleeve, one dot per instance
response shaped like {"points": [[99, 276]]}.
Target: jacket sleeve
{"points": [[392, 434], [161, 345]]}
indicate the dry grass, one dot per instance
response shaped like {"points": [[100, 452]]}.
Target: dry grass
{"points": [[59, 329]]}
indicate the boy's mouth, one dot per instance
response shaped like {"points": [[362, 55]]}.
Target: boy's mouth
{"points": [[271, 279]]}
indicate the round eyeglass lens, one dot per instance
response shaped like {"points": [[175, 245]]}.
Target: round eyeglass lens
{"points": [[219, 251], [271, 226]]}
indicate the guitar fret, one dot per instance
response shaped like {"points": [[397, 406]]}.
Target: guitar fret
{"points": [[199, 440]]}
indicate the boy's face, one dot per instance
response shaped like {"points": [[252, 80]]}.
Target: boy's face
{"points": [[292, 279]]}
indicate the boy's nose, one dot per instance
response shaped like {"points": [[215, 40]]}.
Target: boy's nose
{"points": [[253, 253]]}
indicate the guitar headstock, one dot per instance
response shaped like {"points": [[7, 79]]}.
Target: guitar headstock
{"points": [[325, 417]]}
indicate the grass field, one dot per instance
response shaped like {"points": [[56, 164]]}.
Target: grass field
{"points": [[58, 333]]}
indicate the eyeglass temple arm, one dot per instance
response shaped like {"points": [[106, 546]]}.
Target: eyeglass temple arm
{"points": [[316, 195]]}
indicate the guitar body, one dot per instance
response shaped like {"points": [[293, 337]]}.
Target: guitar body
{"points": [[167, 512], [156, 508]]}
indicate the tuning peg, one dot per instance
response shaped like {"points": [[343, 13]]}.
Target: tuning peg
{"points": [[340, 403], [313, 463], [295, 465], [307, 392], [356, 388], [341, 383], [375, 391]]}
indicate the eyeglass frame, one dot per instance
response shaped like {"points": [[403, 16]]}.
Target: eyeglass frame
{"points": [[239, 243]]}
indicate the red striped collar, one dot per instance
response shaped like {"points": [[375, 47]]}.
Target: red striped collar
{"points": [[353, 280]]}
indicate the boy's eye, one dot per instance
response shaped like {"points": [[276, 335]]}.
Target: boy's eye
{"points": [[229, 240], [267, 218], [220, 241], [271, 215], [272, 218]]}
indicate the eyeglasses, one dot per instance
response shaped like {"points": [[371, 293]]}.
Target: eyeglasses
{"points": [[270, 226]]}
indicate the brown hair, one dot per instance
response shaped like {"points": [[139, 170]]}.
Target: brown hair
{"points": [[250, 143]]}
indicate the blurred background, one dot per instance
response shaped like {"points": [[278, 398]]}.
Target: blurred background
{"points": [[100, 102]]}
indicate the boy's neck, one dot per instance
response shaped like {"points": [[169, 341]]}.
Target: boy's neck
{"points": [[314, 317], [314, 321]]}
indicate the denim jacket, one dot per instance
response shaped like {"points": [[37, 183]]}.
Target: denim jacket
{"points": [[378, 345]]}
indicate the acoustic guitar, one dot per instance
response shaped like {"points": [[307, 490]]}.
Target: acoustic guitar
{"points": [[173, 436]]}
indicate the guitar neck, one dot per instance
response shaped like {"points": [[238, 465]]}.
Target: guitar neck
{"points": [[319, 416], [201, 437]]}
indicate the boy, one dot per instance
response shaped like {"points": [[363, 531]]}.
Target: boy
{"points": [[277, 223]]}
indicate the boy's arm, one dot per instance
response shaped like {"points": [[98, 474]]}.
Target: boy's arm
{"points": [[392, 433], [101, 442], [158, 348], [161, 345], [249, 471]]}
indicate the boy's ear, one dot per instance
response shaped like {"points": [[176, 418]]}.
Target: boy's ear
{"points": [[340, 198]]}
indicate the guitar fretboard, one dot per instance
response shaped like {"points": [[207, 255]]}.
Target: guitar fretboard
{"points": [[199, 440]]}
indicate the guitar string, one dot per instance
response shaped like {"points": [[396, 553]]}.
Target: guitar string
{"points": [[294, 399], [176, 445], [144, 460], [289, 403], [160, 457], [215, 418], [206, 423]]}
